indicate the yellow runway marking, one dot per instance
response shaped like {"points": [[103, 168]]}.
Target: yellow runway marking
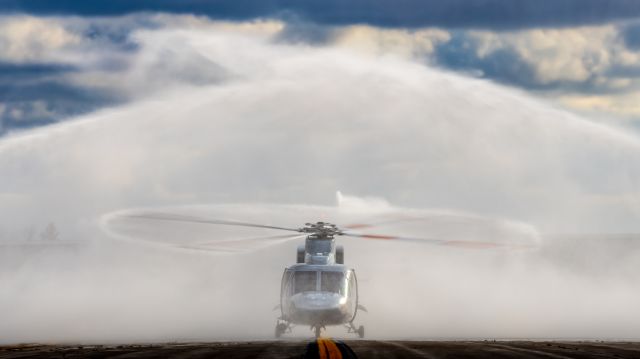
{"points": [[322, 350], [327, 349]]}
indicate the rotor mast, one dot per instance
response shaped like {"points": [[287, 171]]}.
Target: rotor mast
{"points": [[320, 247]]}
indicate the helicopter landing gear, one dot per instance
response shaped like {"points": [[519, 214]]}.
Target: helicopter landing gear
{"points": [[352, 329], [281, 328], [317, 329]]}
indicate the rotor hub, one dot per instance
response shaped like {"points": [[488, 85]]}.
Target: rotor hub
{"points": [[321, 229]]}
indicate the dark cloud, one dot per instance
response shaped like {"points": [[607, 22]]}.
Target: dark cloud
{"points": [[111, 35], [631, 35], [30, 106], [10, 73], [101, 68], [37, 94], [496, 14], [308, 33], [504, 65], [546, 62]]}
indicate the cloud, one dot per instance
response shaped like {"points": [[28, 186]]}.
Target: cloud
{"points": [[582, 56], [38, 56], [621, 105], [581, 62], [539, 58], [88, 57], [52, 69], [33, 39], [409, 44], [494, 14], [577, 63], [36, 94]]}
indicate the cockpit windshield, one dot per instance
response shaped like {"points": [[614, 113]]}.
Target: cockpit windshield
{"points": [[333, 282], [304, 281]]}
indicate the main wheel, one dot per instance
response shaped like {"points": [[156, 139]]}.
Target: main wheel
{"points": [[280, 328], [318, 330], [361, 332]]}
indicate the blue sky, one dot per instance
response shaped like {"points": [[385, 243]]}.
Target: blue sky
{"points": [[493, 14], [582, 54]]}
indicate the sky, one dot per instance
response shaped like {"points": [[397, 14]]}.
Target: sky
{"points": [[520, 114], [582, 55]]}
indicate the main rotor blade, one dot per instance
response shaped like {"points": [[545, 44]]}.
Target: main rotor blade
{"points": [[457, 243], [277, 238], [395, 219], [242, 244], [193, 219]]}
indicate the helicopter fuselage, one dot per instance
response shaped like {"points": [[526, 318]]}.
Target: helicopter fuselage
{"points": [[319, 295], [319, 290]]}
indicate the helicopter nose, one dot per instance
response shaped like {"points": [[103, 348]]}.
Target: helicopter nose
{"points": [[319, 301], [320, 307]]}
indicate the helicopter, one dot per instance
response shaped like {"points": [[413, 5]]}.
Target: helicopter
{"points": [[318, 290]]}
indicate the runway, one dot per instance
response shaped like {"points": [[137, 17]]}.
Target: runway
{"points": [[335, 349]]}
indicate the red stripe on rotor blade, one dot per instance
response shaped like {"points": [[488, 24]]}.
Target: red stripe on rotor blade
{"points": [[377, 236], [358, 225]]}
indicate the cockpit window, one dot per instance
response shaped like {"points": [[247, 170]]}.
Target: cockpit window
{"points": [[304, 281], [332, 282]]}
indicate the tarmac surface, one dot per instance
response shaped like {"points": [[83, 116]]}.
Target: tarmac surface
{"points": [[329, 348]]}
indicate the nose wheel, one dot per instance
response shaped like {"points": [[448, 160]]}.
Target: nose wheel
{"points": [[317, 330]]}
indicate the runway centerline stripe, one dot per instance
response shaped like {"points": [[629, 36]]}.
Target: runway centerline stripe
{"points": [[322, 350], [334, 351], [327, 349]]}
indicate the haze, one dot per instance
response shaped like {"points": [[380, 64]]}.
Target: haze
{"points": [[255, 118]]}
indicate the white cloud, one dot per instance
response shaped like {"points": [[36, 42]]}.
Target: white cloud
{"points": [[33, 39], [420, 43], [621, 105], [572, 61], [573, 54]]}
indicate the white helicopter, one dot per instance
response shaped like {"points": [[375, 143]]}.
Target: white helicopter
{"points": [[319, 290]]}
